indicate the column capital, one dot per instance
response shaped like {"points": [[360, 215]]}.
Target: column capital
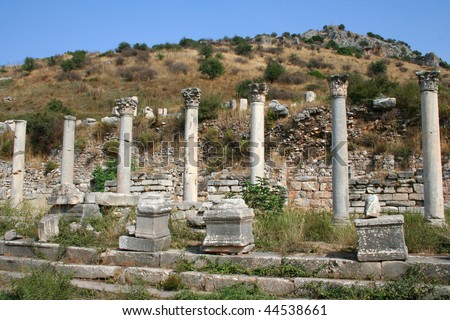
{"points": [[258, 92], [72, 118], [428, 80], [191, 97], [338, 85], [126, 106]]}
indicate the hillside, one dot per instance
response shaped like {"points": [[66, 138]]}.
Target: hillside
{"points": [[88, 83]]}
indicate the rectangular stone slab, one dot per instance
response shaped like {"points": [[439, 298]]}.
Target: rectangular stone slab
{"points": [[144, 245], [381, 239]]}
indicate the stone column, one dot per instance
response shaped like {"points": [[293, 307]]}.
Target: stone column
{"points": [[18, 166], [339, 148], [258, 97], [431, 144], [126, 108], [191, 101], [68, 150]]}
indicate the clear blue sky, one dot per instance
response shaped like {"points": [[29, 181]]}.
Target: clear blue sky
{"points": [[42, 28]]}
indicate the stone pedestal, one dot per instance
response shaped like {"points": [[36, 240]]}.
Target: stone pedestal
{"points": [[229, 227], [68, 150], [381, 239], [243, 105], [339, 147], [431, 144], [152, 226], [190, 178], [258, 97], [18, 165], [127, 108]]}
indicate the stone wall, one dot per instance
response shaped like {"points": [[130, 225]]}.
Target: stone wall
{"points": [[308, 184]]}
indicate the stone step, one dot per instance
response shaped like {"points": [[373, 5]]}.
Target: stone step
{"points": [[332, 266], [88, 276]]}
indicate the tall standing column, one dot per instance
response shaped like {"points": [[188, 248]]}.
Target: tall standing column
{"points": [[258, 97], [338, 91], [18, 166], [191, 101], [431, 144], [68, 150], [126, 108]]}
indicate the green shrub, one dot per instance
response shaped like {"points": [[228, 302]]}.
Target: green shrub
{"points": [[205, 51], [209, 107], [273, 71], [243, 89], [211, 67], [29, 64], [332, 45], [362, 91], [316, 74], [243, 49], [377, 68], [140, 46], [341, 27], [421, 237], [76, 62], [45, 128], [45, 283], [188, 43], [101, 174], [123, 46], [264, 197], [172, 283]]}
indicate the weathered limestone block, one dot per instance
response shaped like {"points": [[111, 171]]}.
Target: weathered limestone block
{"points": [[48, 227], [372, 207], [111, 199], [229, 227], [85, 210], [152, 219], [65, 193], [381, 239], [152, 226]]}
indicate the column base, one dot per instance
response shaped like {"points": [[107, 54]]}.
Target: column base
{"points": [[437, 222], [340, 222], [227, 249]]}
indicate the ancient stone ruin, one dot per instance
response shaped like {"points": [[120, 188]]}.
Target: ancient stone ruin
{"points": [[212, 204]]}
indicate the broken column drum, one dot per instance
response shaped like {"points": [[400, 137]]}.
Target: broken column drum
{"points": [[18, 165], [190, 178], [431, 144], [338, 90], [258, 93], [68, 150], [126, 108], [229, 227]]}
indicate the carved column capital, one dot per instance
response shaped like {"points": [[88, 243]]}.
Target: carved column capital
{"points": [[127, 106], [191, 97], [338, 85], [428, 80], [258, 92]]}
